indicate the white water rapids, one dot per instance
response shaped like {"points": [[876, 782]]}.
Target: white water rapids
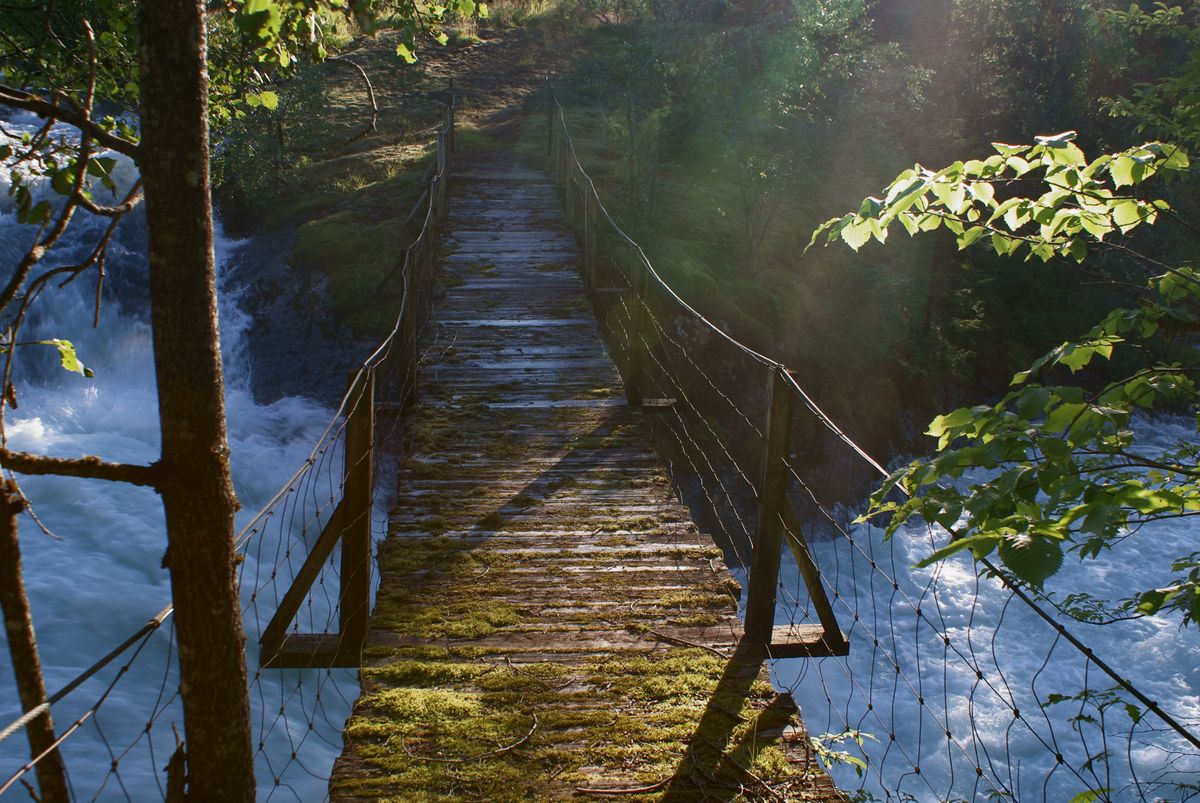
{"points": [[1000, 657], [103, 579]]}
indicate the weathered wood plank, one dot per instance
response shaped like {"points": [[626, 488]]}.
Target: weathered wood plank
{"points": [[549, 618]]}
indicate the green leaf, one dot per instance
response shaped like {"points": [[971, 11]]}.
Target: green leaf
{"points": [[1055, 449], [67, 356], [979, 545], [1126, 215], [983, 191], [969, 236], [1009, 150], [1057, 140], [1121, 169], [856, 233], [269, 100], [1004, 245], [1091, 795], [403, 51], [63, 181], [952, 194], [260, 19], [1031, 559], [1063, 416]]}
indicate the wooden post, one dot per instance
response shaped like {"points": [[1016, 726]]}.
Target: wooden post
{"points": [[634, 382], [589, 239], [834, 639], [549, 117], [569, 196], [22, 646], [450, 115], [560, 152], [772, 495], [439, 189], [409, 351], [354, 598]]}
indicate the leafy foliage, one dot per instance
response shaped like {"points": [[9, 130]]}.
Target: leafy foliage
{"points": [[1065, 468]]}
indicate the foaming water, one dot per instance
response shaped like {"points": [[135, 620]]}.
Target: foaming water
{"points": [[987, 668], [101, 578]]}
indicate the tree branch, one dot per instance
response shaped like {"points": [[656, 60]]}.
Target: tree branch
{"points": [[84, 467], [370, 96], [43, 108]]}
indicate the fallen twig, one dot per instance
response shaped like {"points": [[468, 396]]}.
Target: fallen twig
{"points": [[641, 790], [686, 643], [482, 756]]}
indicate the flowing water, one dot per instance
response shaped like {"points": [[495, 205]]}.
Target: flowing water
{"points": [[101, 578], [987, 669]]}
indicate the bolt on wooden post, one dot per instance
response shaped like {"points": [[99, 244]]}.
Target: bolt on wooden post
{"points": [[772, 496], [354, 597]]}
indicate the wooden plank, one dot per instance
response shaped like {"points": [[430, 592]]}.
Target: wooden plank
{"points": [[306, 651], [806, 641]]}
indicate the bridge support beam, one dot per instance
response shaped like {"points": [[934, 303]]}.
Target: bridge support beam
{"points": [[772, 496], [354, 598], [635, 391], [589, 237]]}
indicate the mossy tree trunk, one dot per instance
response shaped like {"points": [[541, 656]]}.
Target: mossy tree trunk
{"points": [[195, 484]]}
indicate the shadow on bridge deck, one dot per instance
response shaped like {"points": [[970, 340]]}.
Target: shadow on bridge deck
{"points": [[550, 622]]}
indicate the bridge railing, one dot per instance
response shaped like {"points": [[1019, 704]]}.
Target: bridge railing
{"points": [[306, 575], [951, 682], [363, 433]]}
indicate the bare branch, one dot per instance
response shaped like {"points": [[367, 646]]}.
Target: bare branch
{"points": [[131, 200], [370, 96], [90, 467]]}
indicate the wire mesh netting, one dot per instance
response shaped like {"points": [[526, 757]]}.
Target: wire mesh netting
{"points": [[297, 712], [960, 684]]}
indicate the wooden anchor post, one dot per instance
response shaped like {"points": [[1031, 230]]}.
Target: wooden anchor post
{"points": [[772, 496], [354, 597], [589, 238], [635, 390]]}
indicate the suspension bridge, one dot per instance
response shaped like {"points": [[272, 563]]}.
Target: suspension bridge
{"points": [[577, 541]]}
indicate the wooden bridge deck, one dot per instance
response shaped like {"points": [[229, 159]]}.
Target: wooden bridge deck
{"points": [[550, 623]]}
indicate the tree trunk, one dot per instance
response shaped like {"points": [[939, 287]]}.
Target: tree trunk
{"points": [[198, 496], [22, 644]]}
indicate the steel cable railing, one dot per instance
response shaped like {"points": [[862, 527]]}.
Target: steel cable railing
{"points": [[952, 682]]}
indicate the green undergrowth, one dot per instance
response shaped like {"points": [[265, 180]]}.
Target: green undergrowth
{"points": [[310, 164]]}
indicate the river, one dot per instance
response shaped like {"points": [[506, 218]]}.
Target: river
{"points": [[100, 577]]}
